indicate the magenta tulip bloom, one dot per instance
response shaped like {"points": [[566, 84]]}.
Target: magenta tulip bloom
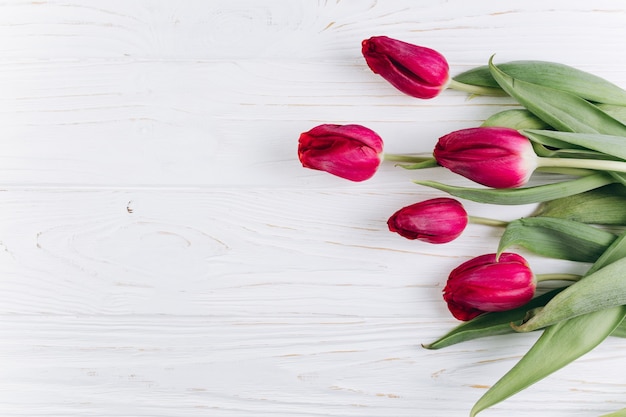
{"points": [[483, 284], [417, 71], [497, 157], [352, 152], [439, 220]]}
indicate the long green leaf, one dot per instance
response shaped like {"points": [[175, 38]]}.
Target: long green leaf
{"points": [[562, 110], [526, 195], [517, 119], [614, 253], [607, 144], [523, 119], [558, 346], [616, 112], [620, 331], [561, 343], [554, 75], [546, 150], [604, 205], [557, 238], [619, 177]]}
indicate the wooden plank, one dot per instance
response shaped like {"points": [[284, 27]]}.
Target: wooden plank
{"points": [[203, 124], [236, 29], [193, 365], [163, 253], [258, 252], [197, 124]]}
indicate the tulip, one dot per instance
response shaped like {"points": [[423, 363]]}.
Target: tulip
{"points": [[485, 284], [415, 70], [497, 157], [352, 152], [439, 220]]}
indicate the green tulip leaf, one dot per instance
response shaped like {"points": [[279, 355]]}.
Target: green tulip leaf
{"points": [[523, 119], [560, 109], [605, 205], [525, 195], [552, 142], [619, 177], [557, 238], [562, 343], [607, 144], [620, 331], [615, 111], [517, 119], [547, 151], [550, 74], [558, 346]]}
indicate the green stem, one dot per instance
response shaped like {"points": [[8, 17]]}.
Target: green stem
{"points": [[557, 277], [475, 89], [595, 164], [486, 221], [406, 158]]}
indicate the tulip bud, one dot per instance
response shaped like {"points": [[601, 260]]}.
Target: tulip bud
{"points": [[485, 284], [439, 220], [352, 152], [415, 70], [497, 157]]}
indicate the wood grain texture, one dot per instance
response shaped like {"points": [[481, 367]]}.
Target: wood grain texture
{"points": [[163, 252]]}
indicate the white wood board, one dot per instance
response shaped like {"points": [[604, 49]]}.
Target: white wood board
{"points": [[163, 252]]}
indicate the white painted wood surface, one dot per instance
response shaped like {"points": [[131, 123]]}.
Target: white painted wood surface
{"points": [[163, 253]]}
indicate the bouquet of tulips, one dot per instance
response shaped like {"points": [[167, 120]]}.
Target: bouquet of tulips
{"points": [[568, 122]]}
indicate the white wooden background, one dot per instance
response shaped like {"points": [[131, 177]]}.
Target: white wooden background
{"points": [[163, 253]]}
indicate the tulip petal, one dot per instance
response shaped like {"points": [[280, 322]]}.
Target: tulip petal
{"points": [[486, 284], [497, 157], [352, 152], [415, 70], [438, 220]]}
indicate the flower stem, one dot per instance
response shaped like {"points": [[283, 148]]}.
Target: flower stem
{"points": [[557, 277], [595, 164], [486, 221], [406, 157], [475, 89]]}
